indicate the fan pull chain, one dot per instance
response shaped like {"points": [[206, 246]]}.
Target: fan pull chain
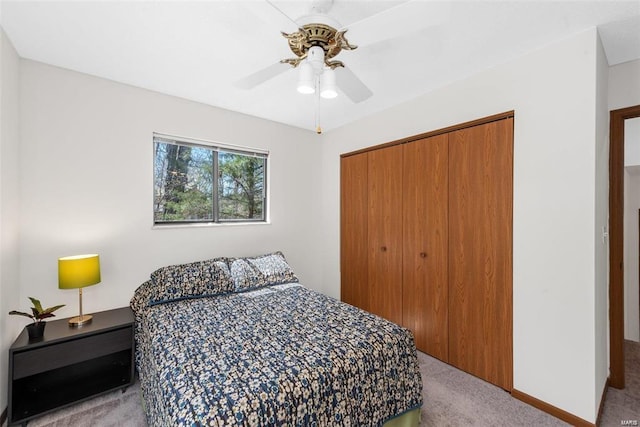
{"points": [[318, 128]]}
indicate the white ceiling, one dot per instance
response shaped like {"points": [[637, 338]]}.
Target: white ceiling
{"points": [[198, 49]]}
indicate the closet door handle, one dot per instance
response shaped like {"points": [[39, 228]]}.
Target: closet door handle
{"points": [[383, 249], [423, 254]]}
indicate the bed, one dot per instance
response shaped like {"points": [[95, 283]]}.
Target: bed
{"points": [[241, 342]]}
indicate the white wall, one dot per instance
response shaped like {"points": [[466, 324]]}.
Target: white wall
{"points": [[9, 205], [631, 287], [553, 93], [86, 186], [632, 141], [624, 85], [601, 243]]}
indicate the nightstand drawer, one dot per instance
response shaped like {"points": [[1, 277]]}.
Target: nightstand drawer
{"points": [[68, 353]]}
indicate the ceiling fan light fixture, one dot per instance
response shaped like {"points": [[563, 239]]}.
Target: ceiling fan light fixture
{"points": [[328, 89], [306, 79], [315, 58]]}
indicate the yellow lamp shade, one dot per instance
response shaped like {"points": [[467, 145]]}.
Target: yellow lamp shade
{"points": [[78, 271]]}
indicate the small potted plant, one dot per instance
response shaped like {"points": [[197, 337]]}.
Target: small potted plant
{"points": [[38, 314]]}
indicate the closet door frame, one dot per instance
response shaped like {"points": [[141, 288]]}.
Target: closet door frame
{"points": [[484, 120]]}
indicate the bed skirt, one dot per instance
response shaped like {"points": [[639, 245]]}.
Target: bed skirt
{"points": [[408, 419]]}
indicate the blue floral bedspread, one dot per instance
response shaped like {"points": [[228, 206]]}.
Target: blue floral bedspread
{"points": [[282, 355]]}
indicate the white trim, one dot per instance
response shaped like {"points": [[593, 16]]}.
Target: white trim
{"points": [[207, 225], [245, 150]]}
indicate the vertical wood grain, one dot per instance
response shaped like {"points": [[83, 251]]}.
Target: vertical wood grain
{"points": [[353, 230], [616, 251], [425, 243], [385, 233], [480, 251]]}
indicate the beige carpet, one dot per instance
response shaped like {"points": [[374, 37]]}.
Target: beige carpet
{"points": [[455, 398], [451, 398], [114, 409], [624, 405]]}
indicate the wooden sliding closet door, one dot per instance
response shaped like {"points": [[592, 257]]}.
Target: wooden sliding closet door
{"points": [[354, 289], [480, 251], [385, 233], [425, 241]]}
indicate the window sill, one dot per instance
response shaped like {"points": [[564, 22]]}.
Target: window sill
{"points": [[209, 225]]}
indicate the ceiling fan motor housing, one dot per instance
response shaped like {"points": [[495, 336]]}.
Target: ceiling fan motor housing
{"points": [[323, 36]]}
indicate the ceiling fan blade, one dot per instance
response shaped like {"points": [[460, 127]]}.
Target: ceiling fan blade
{"points": [[405, 18], [268, 12], [261, 76], [351, 85], [284, 16]]}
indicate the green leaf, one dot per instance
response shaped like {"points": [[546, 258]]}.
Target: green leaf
{"points": [[20, 313], [36, 304], [52, 309]]}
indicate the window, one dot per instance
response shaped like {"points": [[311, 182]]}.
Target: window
{"points": [[199, 183]]}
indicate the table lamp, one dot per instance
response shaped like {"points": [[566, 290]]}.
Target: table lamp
{"points": [[79, 271]]}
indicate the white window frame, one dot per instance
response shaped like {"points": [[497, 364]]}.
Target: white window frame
{"points": [[214, 146]]}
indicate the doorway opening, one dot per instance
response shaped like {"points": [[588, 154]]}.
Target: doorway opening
{"points": [[616, 243]]}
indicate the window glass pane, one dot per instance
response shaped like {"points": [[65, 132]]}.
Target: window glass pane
{"points": [[241, 187], [183, 183]]}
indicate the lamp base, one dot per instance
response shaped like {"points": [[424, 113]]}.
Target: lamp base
{"points": [[74, 322]]}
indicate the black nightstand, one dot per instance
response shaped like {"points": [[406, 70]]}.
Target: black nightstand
{"points": [[70, 364]]}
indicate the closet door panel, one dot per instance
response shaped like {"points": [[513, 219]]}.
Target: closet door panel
{"points": [[480, 251], [385, 233], [425, 241], [353, 230]]}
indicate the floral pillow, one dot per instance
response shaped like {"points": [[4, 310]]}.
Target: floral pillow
{"points": [[192, 280], [264, 270]]}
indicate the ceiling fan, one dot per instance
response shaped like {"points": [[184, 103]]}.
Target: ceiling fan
{"points": [[316, 39], [316, 42]]}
